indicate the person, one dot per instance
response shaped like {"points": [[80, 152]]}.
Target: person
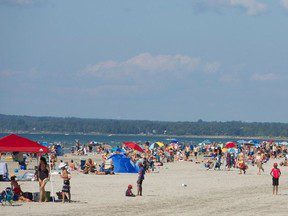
{"points": [[241, 163], [66, 182], [18, 193], [72, 166], [141, 175], [129, 192], [89, 166], [43, 177], [187, 153], [259, 162], [228, 161], [275, 173]]}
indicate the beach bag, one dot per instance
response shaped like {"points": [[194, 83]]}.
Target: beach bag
{"points": [[28, 195]]}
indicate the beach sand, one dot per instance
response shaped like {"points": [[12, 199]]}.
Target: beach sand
{"points": [[207, 193]]}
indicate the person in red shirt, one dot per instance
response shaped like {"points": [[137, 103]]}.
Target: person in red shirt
{"points": [[275, 173]]}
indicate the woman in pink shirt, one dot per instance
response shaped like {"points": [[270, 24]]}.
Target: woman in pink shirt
{"points": [[275, 173]]}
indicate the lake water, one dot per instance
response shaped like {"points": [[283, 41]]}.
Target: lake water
{"points": [[113, 140]]}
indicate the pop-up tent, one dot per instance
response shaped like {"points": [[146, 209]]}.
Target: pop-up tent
{"points": [[123, 164], [15, 143]]}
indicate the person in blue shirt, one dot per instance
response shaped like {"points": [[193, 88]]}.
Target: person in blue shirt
{"points": [[141, 174]]}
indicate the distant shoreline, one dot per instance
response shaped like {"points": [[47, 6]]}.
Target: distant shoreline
{"points": [[151, 135]]}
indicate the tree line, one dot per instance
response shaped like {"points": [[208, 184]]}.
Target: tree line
{"points": [[16, 123]]}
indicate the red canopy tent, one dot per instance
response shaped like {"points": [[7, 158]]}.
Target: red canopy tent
{"points": [[15, 143]]}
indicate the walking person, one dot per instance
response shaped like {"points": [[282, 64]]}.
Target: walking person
{"points": [[275, 173], [141, 174]]}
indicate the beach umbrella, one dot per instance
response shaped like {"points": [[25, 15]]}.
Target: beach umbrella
{"points": [[284, 143], [160, 144], [207, 141], [241, 142], [232, 150], [133, 145], [254, 142], [174, 141], [230, 145], [117, 149], [155, 145]]}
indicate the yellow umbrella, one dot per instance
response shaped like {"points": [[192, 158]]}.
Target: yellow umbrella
{"points": [[160, 144]]}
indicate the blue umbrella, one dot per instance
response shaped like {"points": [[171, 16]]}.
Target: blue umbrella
{"points": [[232, 150], [117, 149], [241, 141], [207, 141]]}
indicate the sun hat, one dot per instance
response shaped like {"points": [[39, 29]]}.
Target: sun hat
{"points": [[62, 165]]}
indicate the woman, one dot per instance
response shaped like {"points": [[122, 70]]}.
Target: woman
{"points": [[43, 177]]}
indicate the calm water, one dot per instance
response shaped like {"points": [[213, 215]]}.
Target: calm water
{"points": [[113, 140]]}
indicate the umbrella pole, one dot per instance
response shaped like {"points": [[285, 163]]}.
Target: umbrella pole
{"points": [[52, 191]]}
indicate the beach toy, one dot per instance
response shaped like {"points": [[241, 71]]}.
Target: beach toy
{"points": [[183, 185]]}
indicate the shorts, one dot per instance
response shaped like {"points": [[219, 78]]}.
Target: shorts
{"points": [[275, 181], [139, 182], [66, 186]]}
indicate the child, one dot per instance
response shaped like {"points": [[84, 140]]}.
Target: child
{"points": [[66, 182], [275, 173], [129, 192]]}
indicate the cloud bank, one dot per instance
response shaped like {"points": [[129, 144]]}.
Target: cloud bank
{"points": [[252, 7], [284, 4]]}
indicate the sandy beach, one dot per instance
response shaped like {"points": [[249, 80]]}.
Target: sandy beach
{"points": [[207, 193]]}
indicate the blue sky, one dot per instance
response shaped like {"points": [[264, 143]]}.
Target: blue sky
{"points": [[155, 59]]}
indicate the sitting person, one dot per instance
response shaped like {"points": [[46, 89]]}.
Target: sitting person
{"points": [[129, 192], [72, 166], [208, 163], [284, 163], [18, 194], [89, 166], [109, 171]]}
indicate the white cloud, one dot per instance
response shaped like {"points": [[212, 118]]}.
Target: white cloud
{"points": [[264, 77], [211, 67], [252, 7], [284, 4], [143, 65]]}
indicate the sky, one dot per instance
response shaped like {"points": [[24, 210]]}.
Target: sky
{"points": [[167, 60]]}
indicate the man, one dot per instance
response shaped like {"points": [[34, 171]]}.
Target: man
{"points": [[141, 174]]}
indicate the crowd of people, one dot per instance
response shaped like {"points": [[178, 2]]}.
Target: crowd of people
{"points": [[213, 156]]}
